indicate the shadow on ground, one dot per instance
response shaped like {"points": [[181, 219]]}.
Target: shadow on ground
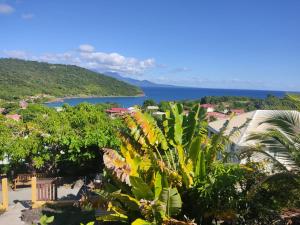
{"points": [[68, 215]]}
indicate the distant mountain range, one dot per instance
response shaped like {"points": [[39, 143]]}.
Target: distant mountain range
{"points": [[135, 82]]}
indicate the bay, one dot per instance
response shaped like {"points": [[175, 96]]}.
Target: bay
{"points": [[170, 94]]}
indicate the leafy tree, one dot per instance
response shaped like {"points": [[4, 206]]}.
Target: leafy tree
{"points": [[50, 140], [149, 102], [164, 106]]}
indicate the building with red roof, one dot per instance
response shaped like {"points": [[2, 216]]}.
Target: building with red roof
{"points": [[216, 115], [23, 104], [15, 117], [208, 107], [117, 111], [237, 111]]}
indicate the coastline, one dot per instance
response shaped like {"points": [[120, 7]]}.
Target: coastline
{"points": [[62, 99]]}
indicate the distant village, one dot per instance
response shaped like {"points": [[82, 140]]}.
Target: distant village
{"points": [[211, 110], [212, 113]]}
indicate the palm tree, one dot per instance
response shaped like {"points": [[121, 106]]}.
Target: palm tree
{"points": [[281, 139], [281, 143]]}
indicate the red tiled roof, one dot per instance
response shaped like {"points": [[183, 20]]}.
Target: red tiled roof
{"points": [[217, 115], [238, 111], [117, 110], [207, 106], [15, 117]]}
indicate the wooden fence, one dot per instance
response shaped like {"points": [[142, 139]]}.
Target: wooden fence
{"points": [[43, 190]]}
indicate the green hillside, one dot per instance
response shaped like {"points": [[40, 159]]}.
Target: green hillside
{"points": [[20, 78]]}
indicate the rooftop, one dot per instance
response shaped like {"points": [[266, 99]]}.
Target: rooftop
{"points": [[207, 106], [249, 123]]}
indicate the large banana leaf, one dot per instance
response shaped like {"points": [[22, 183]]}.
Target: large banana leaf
{"points": [[112, 214], [200, 169], [157, 185], [178, 121], [171, 198], [128, 200], [194, 150], [190, 124], [140, 189], [141, 222]]}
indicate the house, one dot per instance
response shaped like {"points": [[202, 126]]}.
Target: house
{"points": [[132, 109], [117, 111], [15, 117], [152, 107], [158, 113], [208, 107], [237, 111], [59, 109], [245, 124], [23, 104], [2, 110], [216, 116]]}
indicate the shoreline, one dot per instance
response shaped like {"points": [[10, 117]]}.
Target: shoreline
{"points": [[62, 99]]}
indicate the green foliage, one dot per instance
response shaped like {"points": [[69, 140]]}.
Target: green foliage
{"points": [[89, 223], [44, 220], [246, 103], [159, 163], [281, 137], [172, 200], [48, 140], [19, 78], [149, 102], [164, 106], [140, 189], [215, 195], [174, 169]]}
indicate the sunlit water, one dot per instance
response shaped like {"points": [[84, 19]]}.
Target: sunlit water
{"points": [[170, 94]]}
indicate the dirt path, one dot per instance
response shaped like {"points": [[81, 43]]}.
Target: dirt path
{"points": [[13, 215]]}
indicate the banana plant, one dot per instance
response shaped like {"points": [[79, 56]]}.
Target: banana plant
{"points": [[155, 204], [156, 163]]}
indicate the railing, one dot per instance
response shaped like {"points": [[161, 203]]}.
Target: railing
{"points": [[46, 190], [43, 190]]}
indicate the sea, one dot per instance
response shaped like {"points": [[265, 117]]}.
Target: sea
{"points": [[159, 94]]}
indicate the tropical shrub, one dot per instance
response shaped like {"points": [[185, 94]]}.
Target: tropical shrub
{"points": [[171, 172], [67, 140], [156, 164]]}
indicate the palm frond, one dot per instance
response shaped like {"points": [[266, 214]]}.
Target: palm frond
{"points": [[282, 137]]}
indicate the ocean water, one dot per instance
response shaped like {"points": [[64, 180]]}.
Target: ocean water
{"points": [[170, 94]]}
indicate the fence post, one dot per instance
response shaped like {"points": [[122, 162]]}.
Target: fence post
{"points": [[33, 190], [5, 193]]}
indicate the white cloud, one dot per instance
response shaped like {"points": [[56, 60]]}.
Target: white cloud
{"points": [[86, 48], [15, 54], [6, 9], [27, 16], [115, 62], [180, 70], [88, 57]]}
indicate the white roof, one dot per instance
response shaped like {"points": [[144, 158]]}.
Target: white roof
{"points": [[159, 113], [250, 123], [152, 107]]}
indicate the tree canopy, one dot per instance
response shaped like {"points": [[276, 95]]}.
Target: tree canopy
{"points": [[46, 138]]}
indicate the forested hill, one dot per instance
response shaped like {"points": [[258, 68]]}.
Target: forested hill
{"points": [[20, 78]]}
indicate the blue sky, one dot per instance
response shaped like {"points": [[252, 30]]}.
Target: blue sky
{"points": [[249, 44]]}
